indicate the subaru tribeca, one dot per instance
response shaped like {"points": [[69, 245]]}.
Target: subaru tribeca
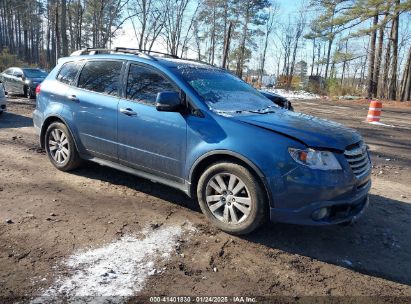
{"points": [[202, 130]]}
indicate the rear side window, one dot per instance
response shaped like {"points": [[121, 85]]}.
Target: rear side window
{"points": [[143, 84], [101, 77], [68, 72]]}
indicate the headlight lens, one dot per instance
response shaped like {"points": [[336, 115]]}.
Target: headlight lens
{"points": [[321, 160]]}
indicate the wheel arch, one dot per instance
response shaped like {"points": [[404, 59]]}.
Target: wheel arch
{"points": [[209, 158], [47, 122]]}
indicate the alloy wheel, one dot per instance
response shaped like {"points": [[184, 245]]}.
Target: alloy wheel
{"points": [[228, 198], [59, 146]]}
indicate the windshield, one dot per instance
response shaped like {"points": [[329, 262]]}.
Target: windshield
{"points": [[34, 73], [223, 91]]}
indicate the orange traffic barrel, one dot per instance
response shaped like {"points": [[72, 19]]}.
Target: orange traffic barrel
{"points": [[374, 112]]}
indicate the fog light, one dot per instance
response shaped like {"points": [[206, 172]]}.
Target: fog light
{"points": [[320, 214]]}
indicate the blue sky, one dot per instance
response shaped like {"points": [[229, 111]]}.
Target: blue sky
{"points": [[289, 6]]}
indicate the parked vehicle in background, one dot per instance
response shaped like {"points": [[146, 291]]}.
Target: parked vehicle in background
{"points": [[3, 99], [22, 80], [202, 130], [278, 100]]}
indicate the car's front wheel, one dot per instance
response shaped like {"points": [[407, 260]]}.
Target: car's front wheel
{"points": [[60, 147], [232, 198]]}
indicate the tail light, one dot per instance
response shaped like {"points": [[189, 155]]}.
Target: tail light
{"points": [[38, 89]]}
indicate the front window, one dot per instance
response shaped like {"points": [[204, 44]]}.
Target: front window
{"points": [[35, 73], [143, 84], [224, 92]]}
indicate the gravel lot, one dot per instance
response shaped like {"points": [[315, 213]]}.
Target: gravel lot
{"points": [[67, 230]]}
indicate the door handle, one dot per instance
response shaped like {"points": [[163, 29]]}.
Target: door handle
{"points": [[128, 112], [73, 98]]}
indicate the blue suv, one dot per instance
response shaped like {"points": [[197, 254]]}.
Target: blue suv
{"points": [[202, 130]]}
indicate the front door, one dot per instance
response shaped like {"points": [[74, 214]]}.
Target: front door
{"points": [[150, 140]]}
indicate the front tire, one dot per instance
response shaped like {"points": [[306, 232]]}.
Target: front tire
{"points": [[61, 148], [232, 198]]}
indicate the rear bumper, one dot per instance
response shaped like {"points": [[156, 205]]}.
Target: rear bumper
{"points": [[37, 121], [339, 211]]}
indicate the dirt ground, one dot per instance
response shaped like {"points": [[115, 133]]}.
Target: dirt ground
{"points": [[47, 215]]}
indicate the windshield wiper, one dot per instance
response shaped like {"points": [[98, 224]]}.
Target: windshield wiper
{"points": [[264, 110], [259, 111]]}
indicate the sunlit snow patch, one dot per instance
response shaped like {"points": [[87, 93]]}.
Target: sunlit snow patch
{"points": [[118, 269], [380, 124], [294, 95]]}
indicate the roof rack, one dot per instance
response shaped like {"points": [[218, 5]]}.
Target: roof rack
{"points": [[202, 62], [122, 49], [138, 52]]}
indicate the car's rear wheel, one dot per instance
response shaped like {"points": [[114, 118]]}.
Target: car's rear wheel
{"points": [[60, 147], [232, 198], [29, 93]]}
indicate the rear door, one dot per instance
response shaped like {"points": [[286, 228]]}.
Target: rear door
{"points": [[150, 140], [96, 98]]}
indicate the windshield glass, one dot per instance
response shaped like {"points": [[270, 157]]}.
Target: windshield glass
{"points": [[223, 91], [34, 73]]}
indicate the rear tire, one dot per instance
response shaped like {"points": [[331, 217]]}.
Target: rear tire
{"points": [[232, 198], [60, 147], [28, 93]]}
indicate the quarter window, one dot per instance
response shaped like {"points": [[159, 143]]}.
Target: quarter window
{"points": [[69, 72], [143, 84], [101, 77]]}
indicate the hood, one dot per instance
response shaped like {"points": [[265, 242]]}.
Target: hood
{"points": [[314, 132]]}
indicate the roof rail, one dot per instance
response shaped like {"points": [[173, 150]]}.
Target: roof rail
{"points": [[147, 52], [90, 51], [96, 51], [203, 62], [139, 52]]}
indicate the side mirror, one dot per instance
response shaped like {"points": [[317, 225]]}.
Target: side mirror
{"points": [[168, 102], [19, 76]]}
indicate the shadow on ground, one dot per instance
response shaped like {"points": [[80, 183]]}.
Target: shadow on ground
{"points": [[11, 120], [379, 244]]}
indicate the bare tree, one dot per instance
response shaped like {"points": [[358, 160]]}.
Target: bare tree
{"points": [[175, 11], [271, 17], [150, 18], [298, 34], [371, 62]]}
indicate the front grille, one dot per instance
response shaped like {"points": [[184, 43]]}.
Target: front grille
{"points": [[357, 157]]}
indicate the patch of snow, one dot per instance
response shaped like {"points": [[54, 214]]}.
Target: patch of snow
{"points": [[380, 124], [119, 269], [347, 262], [294, 95]]}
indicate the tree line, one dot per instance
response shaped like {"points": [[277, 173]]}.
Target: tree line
{"points": [[353, 45]]}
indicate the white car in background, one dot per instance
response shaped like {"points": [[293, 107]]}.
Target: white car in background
{"points": [[2, 98]]}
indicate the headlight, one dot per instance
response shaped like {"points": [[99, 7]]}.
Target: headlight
{"points": [[321, 160]]}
